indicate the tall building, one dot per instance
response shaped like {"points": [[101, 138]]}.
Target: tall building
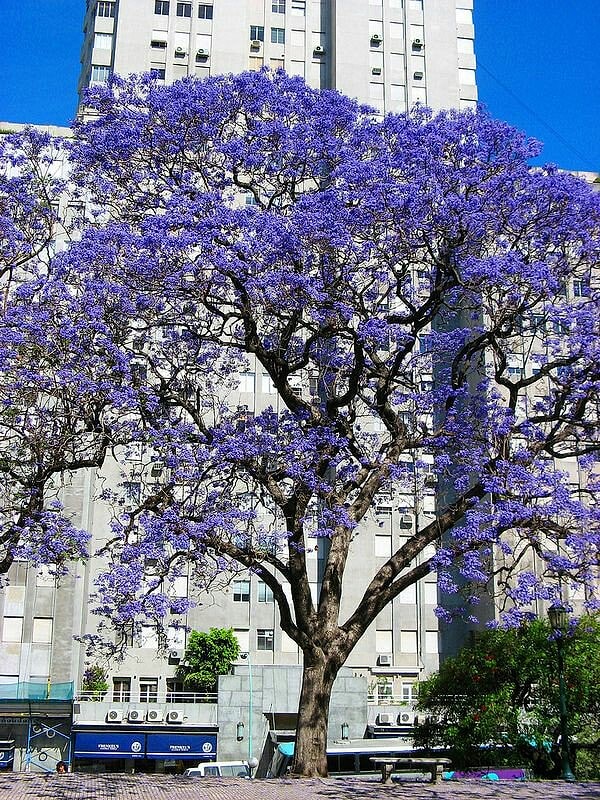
{"points": [[389, 54]]}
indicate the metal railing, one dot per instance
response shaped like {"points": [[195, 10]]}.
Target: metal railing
{"points": [[376, 699], [146, 698]]}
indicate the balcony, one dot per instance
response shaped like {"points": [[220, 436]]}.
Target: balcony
{"points": [[146, 698]]}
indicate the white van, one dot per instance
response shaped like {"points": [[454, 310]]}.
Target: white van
{"points": [[219, 769]]}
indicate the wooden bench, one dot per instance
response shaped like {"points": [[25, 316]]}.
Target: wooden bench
{"points": [[435, 766]]}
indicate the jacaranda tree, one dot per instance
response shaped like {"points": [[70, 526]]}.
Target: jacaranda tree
{"points": [[60, 366], [425, 307]]}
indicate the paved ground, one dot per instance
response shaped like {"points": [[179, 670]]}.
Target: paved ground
{"points": [[19, 786]]}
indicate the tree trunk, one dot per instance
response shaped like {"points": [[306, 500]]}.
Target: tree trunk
{"points": [[310, 754]]}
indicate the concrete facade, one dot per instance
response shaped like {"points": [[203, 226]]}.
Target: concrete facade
{"points": [[390, 54]]}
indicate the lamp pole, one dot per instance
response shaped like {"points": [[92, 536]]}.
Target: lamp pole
{"points": [[559, 622], [252, 762]]}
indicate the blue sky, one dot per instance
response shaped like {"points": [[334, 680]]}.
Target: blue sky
{"points": [[539, 68]]}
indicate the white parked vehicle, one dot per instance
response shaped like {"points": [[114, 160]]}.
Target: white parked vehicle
{"points": [[219, 769]]}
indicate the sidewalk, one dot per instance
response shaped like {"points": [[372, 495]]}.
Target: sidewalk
{"points": [[17, 786]]}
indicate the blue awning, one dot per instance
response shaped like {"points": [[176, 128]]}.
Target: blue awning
{"points": [[110, 744], [197, 746], [7, 755]]}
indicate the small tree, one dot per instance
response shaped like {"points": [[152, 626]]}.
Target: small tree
{"points": [[207, 656], [94, 681], [498, 698]]}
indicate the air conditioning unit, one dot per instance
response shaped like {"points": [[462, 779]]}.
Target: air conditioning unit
{"points": [[114, 715], [376, 37], [155, 715], [384, 660], [201, 53], [318, 50], [385, 719], [175, 717], [406, 718], [179, 51], [406, 520], [175, 656], [417, 43], [135, 715], [376, 71], [255, 44], [418, 76]]}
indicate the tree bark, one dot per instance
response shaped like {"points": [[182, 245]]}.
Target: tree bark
{"points": [[310, 754]]}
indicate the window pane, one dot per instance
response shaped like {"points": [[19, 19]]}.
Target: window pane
{"points": [[184, 9], [161, 7], [105, 9], [176, 637], [247, 382], [103, 41], [257, 32], [264, 639], [278, 6], [149, 637], [241, 591], [121, 690], [243, 637], [383, 642], [408, 641], [265, 595], [100, 74], [148, 690], [205, 11], [42, 630], [12, 630], [278, 35]]}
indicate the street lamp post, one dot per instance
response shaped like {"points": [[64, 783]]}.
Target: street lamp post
{"points": [[559, 623]]}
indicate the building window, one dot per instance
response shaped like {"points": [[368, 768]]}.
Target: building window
{"points": [[247, 382], [277, 35], [184, 9], [205, 11], [385, 690], [175, 691], [176, 637], [257, 33], [264, 639], [581, 288], [99, 74], [42, 630], [158, 44], [121, 690], [105, 9], [409, 693], [161, 7], [125, 636], [241, 591], [265, 595], [13, 629], [103, 41], [278, 6], [299, 7], [159, 73], [148, 690]]}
